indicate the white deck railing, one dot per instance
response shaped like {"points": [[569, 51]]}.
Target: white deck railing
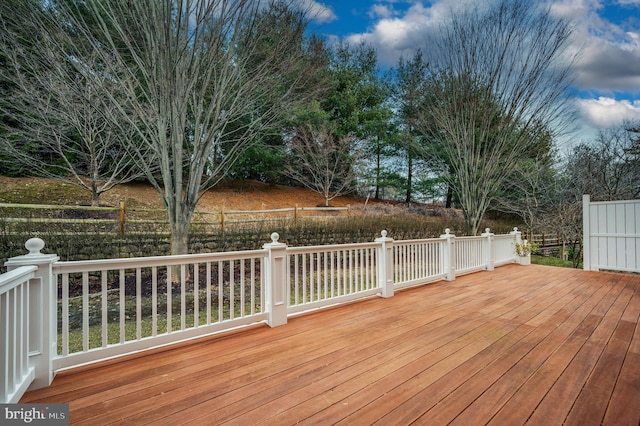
{"points": [[92, 310], [418, 261], [109, 307], [15, 372], [470, 254], [325, 275]]}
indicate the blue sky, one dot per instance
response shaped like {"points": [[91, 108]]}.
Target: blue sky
{"points": [[607, 79]]}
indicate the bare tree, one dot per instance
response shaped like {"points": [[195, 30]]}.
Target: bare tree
{"points": [[321, 161], [564, 219], [609, 167], [527, 192], [54, 107], [606, 168], [499, 77], [530, 190], [199, 80]]}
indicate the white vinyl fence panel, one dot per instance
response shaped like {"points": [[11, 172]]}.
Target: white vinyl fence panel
{"points": [[611, 235]]}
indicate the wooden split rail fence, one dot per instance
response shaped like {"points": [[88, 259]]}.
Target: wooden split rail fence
{"points": [[122, 215]]}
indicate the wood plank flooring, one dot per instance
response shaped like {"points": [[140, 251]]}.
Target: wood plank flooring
{"points": [[520, 345]]}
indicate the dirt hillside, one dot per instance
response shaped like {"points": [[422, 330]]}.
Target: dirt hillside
{"points": [[246, 195]]}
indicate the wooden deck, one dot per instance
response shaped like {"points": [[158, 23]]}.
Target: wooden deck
{"points": [[520, 345]]}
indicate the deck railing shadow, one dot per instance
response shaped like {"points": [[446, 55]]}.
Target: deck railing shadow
{"points": [[60, 314]]}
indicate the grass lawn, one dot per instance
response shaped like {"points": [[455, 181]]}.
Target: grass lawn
{"points": [[552, 261]]}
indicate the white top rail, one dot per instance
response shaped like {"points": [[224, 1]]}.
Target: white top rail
{"points": [[136, 262], [332, 247], [16, 277], [15, 372]]}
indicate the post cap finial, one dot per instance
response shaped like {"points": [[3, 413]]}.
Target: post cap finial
{"points": [[34, 245], [275, 237], [383, 233], [447, 231]]}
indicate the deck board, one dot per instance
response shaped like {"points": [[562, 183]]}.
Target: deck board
{"points": [[518, 345]]}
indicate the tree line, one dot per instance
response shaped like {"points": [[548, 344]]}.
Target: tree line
{"points": [[184, 93]]}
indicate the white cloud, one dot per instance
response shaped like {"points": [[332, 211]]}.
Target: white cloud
{"points": [[318, 12], [381, 11], [597, 115], [610, 54], [394, 36], [607, 112], [609, 64], [609, 67], [610, 61], [574, 9]]}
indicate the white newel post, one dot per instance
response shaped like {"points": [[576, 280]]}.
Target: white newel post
{"points": [[385, 265], [43, 311], [522, 260], [449, 255], [488, 249], [276, 282]]}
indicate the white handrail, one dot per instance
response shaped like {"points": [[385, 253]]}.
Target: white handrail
{"points": [[15, 372]]}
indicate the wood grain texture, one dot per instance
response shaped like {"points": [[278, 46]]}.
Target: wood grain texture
{"points": [[519, 345]]}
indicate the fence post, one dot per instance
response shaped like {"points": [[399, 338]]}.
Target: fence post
{"points": [[586, 233], [222, 220], [385, 264], [449, 255], [489, 252], [276, 282], [122, 218], [43, 311]]}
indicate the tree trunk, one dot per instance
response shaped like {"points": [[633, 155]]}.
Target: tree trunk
{"points": [[95, 194], [377, 195], [409, 175], [179, 238], [473, 224], [95, 198], [179, 245], [449, 201]]}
